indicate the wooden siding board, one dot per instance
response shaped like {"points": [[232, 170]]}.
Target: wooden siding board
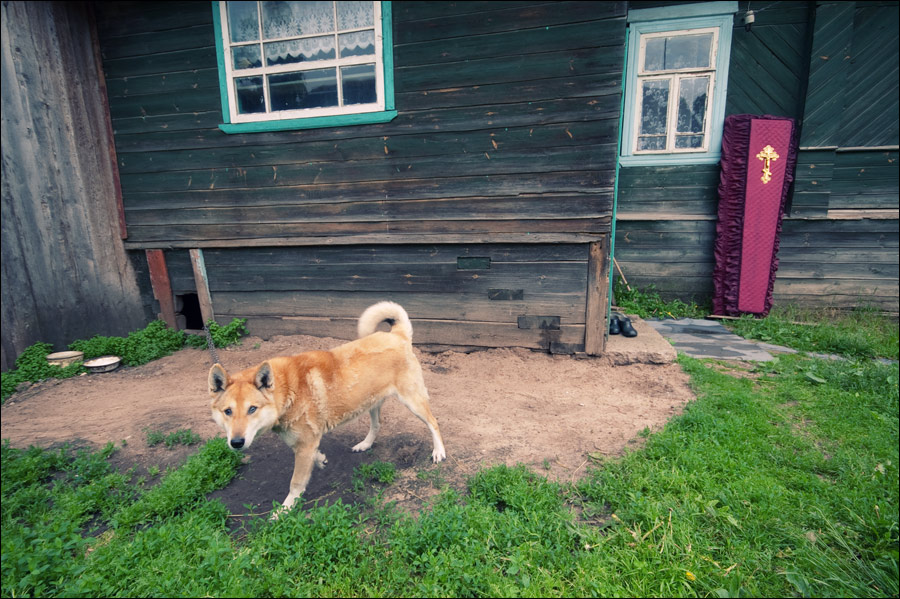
{"points": [[416, 23], [443, 332], [464, 306], [338, 231]]}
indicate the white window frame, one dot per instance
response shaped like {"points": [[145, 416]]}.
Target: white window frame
{"points": [[674, 77], [382, 110], [644, 24]]}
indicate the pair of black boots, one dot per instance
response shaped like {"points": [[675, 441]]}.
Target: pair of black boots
{"points": [[619, 324]]}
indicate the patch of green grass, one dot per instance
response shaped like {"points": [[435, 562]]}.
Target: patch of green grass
{"points": [[378, 471], [179, 437], [859, 333], [647, 303], [139, 347], [781, 482]]}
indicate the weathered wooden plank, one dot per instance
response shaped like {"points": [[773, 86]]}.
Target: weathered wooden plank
{"points": [[418, 24], [65, 274], [270, 231], [201, 280], [550, 185], [457, 306], [162, 287], [194, 150], [444, 332], [597, 300], [492, 70], [405, 254], [569, 36], [567, 277], [181, 82], [501, 162]]}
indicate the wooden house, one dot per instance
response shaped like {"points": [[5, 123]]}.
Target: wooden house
{"points": [[478, 162]]}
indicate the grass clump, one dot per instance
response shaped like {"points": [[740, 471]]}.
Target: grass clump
{"points": [[647, 303], [139, 347], [179, 437], [858, 333]]}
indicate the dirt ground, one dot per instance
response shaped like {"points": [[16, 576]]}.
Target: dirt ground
{"points": [[502, 406]]}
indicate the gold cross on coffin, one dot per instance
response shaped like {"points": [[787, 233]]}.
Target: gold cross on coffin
{"points": [[768, 153]]}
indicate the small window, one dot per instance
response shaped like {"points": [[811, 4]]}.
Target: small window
{"points": [[675, 87], [293, 65]]}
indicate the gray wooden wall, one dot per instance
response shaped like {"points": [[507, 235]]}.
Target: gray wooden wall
{"points": [[65, 273]]}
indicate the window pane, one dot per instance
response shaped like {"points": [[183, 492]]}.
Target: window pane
{"points": [[353, 15], [655, 142], [688, 51], [250, 95], [290, 19], [654, 54], [692, 104], [305, 50], [306, 89], [688, 141], [361, 43], [654, 107], [359, 84], [243, 25], [246, 57]]}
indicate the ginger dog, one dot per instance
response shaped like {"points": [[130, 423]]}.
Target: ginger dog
{"points": [[303, 397]]}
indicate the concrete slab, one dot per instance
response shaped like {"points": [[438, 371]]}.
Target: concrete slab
{"points": [[648, 347], [709, 339]]}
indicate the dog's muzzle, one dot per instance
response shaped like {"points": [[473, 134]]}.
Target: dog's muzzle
{"points": [[237, 442]]}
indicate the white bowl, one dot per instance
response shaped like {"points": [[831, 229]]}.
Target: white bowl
{"points": [[103, 364]]}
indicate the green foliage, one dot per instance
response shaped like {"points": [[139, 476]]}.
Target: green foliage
{"points": [[153, 342], [182, 489], [32, 366], [781, 482], [179, 437], [647, 303], [222, 336], [139, 347], [861, 333]]}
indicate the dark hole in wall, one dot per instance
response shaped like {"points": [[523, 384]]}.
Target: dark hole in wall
{"points": [[190, 309]]}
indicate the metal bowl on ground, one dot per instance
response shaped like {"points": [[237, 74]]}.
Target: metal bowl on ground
{"points": [[64, 358], [103, 364]]}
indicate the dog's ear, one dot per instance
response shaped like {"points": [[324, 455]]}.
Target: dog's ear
{"points": [[265, 378], [218, 379]]}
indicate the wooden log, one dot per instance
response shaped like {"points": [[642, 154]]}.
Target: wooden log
{"points": [[162, 287], [199, 266], [596, 322]]}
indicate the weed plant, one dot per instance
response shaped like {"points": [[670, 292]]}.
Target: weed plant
{"points": [[647, 303], [180, 437], [139, 347], [858, 333]]}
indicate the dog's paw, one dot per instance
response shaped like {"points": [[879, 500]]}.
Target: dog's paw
{"points": [[321, 460], [438, 455], [361, 447]]}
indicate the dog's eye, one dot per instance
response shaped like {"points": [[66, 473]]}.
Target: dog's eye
{"points": [[228, 411], [251, 410]]}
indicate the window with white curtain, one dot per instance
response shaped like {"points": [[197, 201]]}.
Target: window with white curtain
{"points": [[677, 70], [299, 63]]}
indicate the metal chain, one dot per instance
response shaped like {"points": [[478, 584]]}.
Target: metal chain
{"points": [[211, 345]]}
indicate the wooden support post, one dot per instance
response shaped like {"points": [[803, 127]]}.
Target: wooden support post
{"points": [[205, 299], [596, 326], [162, 287]]}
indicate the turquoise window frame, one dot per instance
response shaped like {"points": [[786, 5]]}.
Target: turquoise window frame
{"points": [[678, 18], [342, 120]]}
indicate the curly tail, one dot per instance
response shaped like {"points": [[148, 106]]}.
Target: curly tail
{"points": [[393, 313]]}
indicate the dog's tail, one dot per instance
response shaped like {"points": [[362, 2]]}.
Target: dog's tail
{"points": [[393, 313]]}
